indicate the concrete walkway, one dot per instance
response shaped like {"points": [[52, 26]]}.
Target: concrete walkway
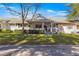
{"points": [[39, 50]]}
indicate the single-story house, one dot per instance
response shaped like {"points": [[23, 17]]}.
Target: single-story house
{"points": [[68, 27], [46, 25]]}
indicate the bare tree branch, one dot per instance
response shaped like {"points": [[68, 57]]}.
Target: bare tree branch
{"points": [[37, 6], [8, 8], [23, 12], [26, 11]]}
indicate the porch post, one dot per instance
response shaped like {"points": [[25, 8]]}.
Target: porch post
{"points": [[33, 25], [51, 27], [43, 26]]}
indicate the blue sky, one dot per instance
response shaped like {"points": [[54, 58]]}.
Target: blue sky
{"points": [[47, 9]]}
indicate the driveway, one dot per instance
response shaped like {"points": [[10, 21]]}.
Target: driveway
{"points": [[39, 50]]}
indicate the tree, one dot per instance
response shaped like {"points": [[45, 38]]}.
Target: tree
{"points": [[40, 16], [74, 11], [24, 10], [36, 9]]}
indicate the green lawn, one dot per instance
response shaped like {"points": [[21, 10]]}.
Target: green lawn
{"points": [[38, 39]]}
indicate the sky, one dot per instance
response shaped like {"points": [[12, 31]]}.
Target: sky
{"points": [[49, 10]]}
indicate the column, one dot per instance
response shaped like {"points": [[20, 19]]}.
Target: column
{"points": [[51, 27], [43, 26]]}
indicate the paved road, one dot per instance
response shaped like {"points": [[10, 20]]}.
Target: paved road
{"points": [[39, 50]]}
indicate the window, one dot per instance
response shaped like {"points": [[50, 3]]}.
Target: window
{"points": [[69, 27], [19, 25], [55, 25], [0, 26], [77, 26], [38, 26]]}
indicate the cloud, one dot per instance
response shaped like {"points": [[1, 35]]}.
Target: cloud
{"points": [[1, 6], [63, 11], [61, 14], [51, 11], [55, 13], [12, 7]]}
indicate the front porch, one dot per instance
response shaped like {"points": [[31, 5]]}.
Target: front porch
{"points": [[45, 26]]}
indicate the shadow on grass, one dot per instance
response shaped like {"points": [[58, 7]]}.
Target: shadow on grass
{"points": [[38, 39]]}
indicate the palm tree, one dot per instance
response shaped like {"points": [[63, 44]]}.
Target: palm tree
{"points": [[74, 11]]}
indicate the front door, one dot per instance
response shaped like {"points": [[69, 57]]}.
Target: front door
{"points": [[47, 28]]}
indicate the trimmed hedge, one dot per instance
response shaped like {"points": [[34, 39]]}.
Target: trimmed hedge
{"points": [[36, 31], [30, 31]]}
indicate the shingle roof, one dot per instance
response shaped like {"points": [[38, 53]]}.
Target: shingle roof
{"points": [[39, 20], [15, 21], [62, 22]]}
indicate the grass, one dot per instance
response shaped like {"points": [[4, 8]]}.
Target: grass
{"points": [[38, 39]]}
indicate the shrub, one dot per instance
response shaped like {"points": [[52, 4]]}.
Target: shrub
{"points": [[17, 31], [36, 31], [6, 31], [0, 30]]}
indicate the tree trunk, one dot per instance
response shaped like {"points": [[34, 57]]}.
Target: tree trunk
{"points": [[23, 26], [22, 17]]}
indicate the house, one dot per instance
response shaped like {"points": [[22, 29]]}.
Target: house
{"points": [[31, 24], [17, 24], [4, 24], [68, 27], [46, 25]]}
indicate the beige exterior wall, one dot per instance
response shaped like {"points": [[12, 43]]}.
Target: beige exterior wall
{"points": [[64, 26]]}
